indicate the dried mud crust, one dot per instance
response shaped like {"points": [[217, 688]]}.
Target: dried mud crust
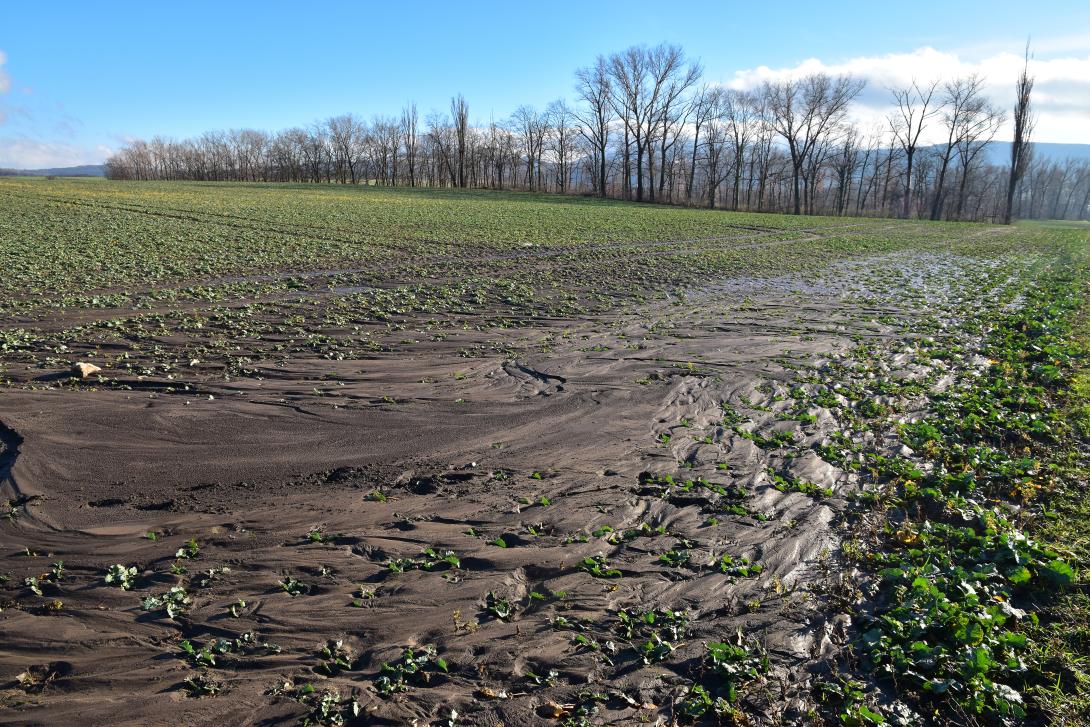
{"points": [[505, 508]]}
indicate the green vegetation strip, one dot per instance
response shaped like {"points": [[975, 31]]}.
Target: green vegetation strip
{"points": [[973, 617]]}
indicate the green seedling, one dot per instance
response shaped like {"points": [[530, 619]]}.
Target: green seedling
{"points": [[121, 576], [498, 606], [335, 658], [293, 586], [599, 567], [174, 602], [738, 567], [188, 551], [414, 668]]}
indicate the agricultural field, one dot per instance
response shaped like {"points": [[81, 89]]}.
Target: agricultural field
{"points": [[395, 456]]}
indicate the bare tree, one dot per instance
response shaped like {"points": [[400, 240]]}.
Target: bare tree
{"points": [[672, 79], [442, 136], [916, 106], [1023, 131], [560, 120], [459, 112], [628, 73], [346, 135], [802, 111], [592, 84], [963, 103], [740, 113], [532, 126], [409, 131], [705, 105]]}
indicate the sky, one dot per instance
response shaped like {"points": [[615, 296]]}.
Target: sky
{"points": [[79, 79]]}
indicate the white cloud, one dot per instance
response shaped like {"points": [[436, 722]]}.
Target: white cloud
{"points": [[21, 152], [5, 79], [1061, 94]]}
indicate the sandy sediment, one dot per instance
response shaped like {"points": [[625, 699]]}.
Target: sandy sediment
{"points": [[523, 464]]}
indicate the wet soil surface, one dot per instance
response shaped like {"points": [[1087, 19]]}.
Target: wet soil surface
{"points": [[509, 495]]}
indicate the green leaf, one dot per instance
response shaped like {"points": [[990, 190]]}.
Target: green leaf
{"points": [[1019, 575], [1059, 572], [870, 716]]}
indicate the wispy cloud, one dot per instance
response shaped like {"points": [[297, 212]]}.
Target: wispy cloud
{"points": [[41, 135], [23, 152], [5, 79], [1061, 95]]}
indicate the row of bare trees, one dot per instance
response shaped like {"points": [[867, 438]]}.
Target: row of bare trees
{"points": [[645, 127]]}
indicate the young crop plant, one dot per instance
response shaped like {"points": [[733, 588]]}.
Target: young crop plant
{"points": [[335, 658], [201, 685], [737, 567], [121, 576], [294, 587], [174, 602], [723, 674], [189, 550], [499, 607], [598, 566], [414, 668], [430, 560], [787, 483]]}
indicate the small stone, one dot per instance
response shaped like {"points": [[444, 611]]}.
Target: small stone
{"points": [[85, 370]]}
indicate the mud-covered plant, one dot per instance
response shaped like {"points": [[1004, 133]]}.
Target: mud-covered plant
{"points": [[431, 559], [202, 656], [787, 483], [335, 657], [656, 649], [327, 708], [604, 650], [634, 624], [362, 595], [201, 685], [698, 702], [415, 667], [440, 559], [676, 558], [294, 587], [173, 602], [728, 668], [738, 567], [846, 699], [189, 550], [34, 583], [498, 606], [547, 679], [599, 567], [123, 577]]}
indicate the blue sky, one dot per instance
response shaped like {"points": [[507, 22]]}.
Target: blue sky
{"points": [[76, 79]]}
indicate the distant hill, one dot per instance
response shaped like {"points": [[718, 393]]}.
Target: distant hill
{"points": [[999, 152], [87, 170]]}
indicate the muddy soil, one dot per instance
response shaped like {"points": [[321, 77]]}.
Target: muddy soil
{"points": [[326, 494]]}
